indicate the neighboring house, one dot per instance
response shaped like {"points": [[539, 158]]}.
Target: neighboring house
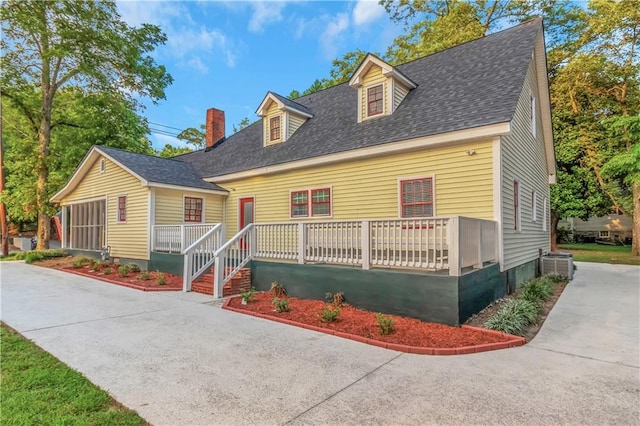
{"points": [[614, 228], [421, 188]]}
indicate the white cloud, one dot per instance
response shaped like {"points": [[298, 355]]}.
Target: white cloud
{"points": [[331, 37], [265, 13], [193, 46], [367, 11]]}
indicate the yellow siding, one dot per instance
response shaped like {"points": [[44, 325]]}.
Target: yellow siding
{"points": [[373, 77], [272, 111], [169, 207], [295, 121], [399, 92], [125, 239], [368, 188]]}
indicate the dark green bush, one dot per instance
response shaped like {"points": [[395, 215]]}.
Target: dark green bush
{"points": [[513, 316], [123, 270], [33, 256], [537, 290], [36, 255]]}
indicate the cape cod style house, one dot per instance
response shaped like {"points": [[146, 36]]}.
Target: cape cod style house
{"points": [[420, 189]]}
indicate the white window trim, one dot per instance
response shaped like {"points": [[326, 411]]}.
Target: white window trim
{"points": [[533, 113], [399, 189], [366, 106], [126, 208], [606, 234], [203, 219], [103, 165], [267, 127], [309, 203], [534, 206], [518, 225]]}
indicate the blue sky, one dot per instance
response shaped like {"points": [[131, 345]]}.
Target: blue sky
{"points": [[228, 54]]}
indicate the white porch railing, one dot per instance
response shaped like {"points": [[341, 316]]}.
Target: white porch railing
{"points": [[232, 256], [437, 244], [200, 255], [175, 238]]}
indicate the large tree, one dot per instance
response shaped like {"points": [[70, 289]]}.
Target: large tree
{"points": [[49, 45]]}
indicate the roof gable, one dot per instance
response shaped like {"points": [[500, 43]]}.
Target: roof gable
{"points": [[284, 104], [387, 70]]}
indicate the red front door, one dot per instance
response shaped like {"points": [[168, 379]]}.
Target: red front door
{"points": [[246, 214]]}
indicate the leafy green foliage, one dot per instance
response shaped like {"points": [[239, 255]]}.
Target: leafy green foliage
{"points": [[39, 389], [330, 313], [144, 276], [123, 270], [81, 261], [161, 278], [241, 125], [107, 271], [281, 305], [249, 295], [385, 323], [537, 290], [169, 151], [39, 254], [133, 267], [194, 137], [513, 316]]}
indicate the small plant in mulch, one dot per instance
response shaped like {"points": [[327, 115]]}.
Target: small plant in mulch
{"points": [[385, 323], [123, 270], [281, 305], [248, 295], [133, 267], [513, 316], [161, 278], [336, 299], [144, 276], [278, 290], [80, 262], [107, 271], [96, 265], [330, 313]]}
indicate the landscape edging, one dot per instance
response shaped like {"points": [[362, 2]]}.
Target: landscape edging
{"points": [[107, 280], [484, 347]]}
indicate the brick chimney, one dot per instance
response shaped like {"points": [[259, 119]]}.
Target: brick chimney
{"points": [[215, 127]]}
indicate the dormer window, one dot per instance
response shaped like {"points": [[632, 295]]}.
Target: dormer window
{"points": [[281, 117], [375, 102], [381, 88], [274, 129]]}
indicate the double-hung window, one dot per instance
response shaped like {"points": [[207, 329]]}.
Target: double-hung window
{"points": [[375, 104], [274, 129], [311, 202], [193, 209], [416, 197], [122, 208]]}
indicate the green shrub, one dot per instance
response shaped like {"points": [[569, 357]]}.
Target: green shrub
{"points": [[385, 323], [330, 313], [144, 276], [133, 267], [77, 264], [96, 265], [123, 270], [513, 316], [282, 305], [107, 271], [161, 278], [33, 256], [537, 290], [248, 296]]}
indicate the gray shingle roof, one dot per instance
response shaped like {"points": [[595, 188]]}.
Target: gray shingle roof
{"points": [[159, 170], [471, 85], [292, 104]]}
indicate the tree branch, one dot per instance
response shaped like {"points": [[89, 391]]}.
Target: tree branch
{"points": [[27, 113]]}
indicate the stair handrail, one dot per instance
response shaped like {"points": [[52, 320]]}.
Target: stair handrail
{"points": [[205, 247], [226, 266]]}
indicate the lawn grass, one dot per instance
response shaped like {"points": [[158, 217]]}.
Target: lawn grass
{"points": [[601, 253], [11, 256], [36, 388]]}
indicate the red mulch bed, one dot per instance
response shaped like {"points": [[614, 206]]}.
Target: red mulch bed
{"points": [[173, 282], [407, 331]]}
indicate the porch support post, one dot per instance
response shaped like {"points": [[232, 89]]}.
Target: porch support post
{"points": [[454, 246], [479, 264], [65, 219], [253, 242], [218, 276], [186, 273], [183, 240], [366, 245], [302, 243]]}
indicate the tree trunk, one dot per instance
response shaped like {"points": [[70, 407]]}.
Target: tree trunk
{"points": [[44, 137], [635, 247], [554, 230]]}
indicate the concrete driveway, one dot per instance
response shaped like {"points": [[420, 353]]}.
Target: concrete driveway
{"points": [[179, 359]]}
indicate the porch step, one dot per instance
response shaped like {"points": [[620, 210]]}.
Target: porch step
{"points": [[241, 281]]}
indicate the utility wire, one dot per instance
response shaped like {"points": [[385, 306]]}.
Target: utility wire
{"points": [[168, 127]]}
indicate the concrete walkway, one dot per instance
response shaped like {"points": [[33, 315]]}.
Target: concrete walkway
{"points": [[178, 359]]}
